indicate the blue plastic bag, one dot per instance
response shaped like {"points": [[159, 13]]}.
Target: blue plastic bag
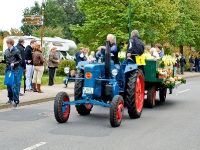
{"points": [[9, 77]]}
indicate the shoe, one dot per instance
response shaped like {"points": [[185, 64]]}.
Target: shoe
{"points": [[34, 87], [170, 92], [20, 94], [15, 104], [9, 102], [39, 88]]}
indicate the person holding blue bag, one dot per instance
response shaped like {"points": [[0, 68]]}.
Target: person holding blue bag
{"points": [[12, 59]]}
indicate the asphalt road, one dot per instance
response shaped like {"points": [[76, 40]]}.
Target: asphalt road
{"points": [[173, 125]]}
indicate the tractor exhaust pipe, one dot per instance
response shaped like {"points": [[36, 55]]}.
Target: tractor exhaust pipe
{"points": [[107, 60]]}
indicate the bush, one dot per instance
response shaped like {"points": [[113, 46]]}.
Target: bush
{"points": [[65, 63], [2, 69]]}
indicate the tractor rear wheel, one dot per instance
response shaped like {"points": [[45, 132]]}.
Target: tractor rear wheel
{"points": [[116, 111], [162, 94], [61, 111], [82, 109], [151, 96], [135, 93]]}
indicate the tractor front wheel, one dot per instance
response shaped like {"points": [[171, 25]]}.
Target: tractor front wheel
{"points": [[61, 111], [151, 96], [135, 93], [82, 109], [116, 111]]}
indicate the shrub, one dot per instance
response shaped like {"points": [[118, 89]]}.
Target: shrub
{"points": [[2, 69], [65, 63]]}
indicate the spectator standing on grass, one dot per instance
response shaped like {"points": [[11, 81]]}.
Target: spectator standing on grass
{"points": [[182, 63], [77, 55], [38, 62], [191, 61], [29, 64], [12, 59], [52, 65], [22, 68]]}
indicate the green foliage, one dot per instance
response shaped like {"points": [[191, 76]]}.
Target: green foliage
{"points": [[168, 51], [186, 32], [49, 32], [65, 63], [2, 69], [153, 19]]}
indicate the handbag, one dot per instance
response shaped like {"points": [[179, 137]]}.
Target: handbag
{"points": [[9, 77]]}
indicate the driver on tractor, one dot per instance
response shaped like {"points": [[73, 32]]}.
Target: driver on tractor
{"points": [[114, 50], [135, 45]]}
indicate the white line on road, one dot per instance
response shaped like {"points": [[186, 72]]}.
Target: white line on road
{"points": [[35, 146], [184, 91]]}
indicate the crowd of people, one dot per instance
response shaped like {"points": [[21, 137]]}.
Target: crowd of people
{"points": [[31, 61]]}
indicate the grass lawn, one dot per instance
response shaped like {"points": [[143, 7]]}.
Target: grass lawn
{"points": [[45, 80]]}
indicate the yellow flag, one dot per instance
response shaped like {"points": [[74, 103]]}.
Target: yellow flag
{"points": [[140, 60]]}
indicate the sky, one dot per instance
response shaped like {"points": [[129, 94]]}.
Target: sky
{"points": [[11, 12]]}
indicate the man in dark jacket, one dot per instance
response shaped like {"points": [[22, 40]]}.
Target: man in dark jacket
{"points": [[29, 64], [20, 47], [79, 56], [135, 45], [182, 63], [13, 59]]}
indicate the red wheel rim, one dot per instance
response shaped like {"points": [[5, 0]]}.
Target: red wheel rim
{"points": [[66, 107], [88, 106], [139, 93], [120, 111], [153, 95]]}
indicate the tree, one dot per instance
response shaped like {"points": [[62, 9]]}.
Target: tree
{"points": [[186, 33], [153, 18], [73, 16], [50, 32]]}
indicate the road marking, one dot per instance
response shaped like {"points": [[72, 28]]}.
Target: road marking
{"points": [[184, 91], [35, 146]]}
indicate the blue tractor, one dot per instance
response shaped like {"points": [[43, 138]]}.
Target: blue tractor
{"points": [[104, 85]]}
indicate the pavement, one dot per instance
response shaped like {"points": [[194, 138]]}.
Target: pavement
{"points": [[51, 91]]}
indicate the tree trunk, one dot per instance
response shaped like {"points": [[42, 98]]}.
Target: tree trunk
{"points": [[181, 49]]}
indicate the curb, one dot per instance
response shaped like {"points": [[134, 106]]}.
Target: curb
{"points": [[36, 101]]}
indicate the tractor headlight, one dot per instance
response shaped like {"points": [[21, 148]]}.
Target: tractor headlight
{"points": [[114, 72], [66, 70]]}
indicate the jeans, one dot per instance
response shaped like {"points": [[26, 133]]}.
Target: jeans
{"points": [[182, 69], [13, 92], [175, 71], [21, 70], [51, 75], [191, 66], [37, 75], [29, 76], [197, 68]]}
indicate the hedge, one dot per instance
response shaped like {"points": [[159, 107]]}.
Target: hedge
{"points": [[2, 69], [65, 63]]}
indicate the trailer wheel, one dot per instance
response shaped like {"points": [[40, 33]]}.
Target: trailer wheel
{"points": [[162, 94], [61, 111], [135, 93], [116, 111], [151, 96], [82, 109]]}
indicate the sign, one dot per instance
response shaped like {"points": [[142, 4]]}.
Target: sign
{"points": [[32, 17], [34, 22], [140, 60]]}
